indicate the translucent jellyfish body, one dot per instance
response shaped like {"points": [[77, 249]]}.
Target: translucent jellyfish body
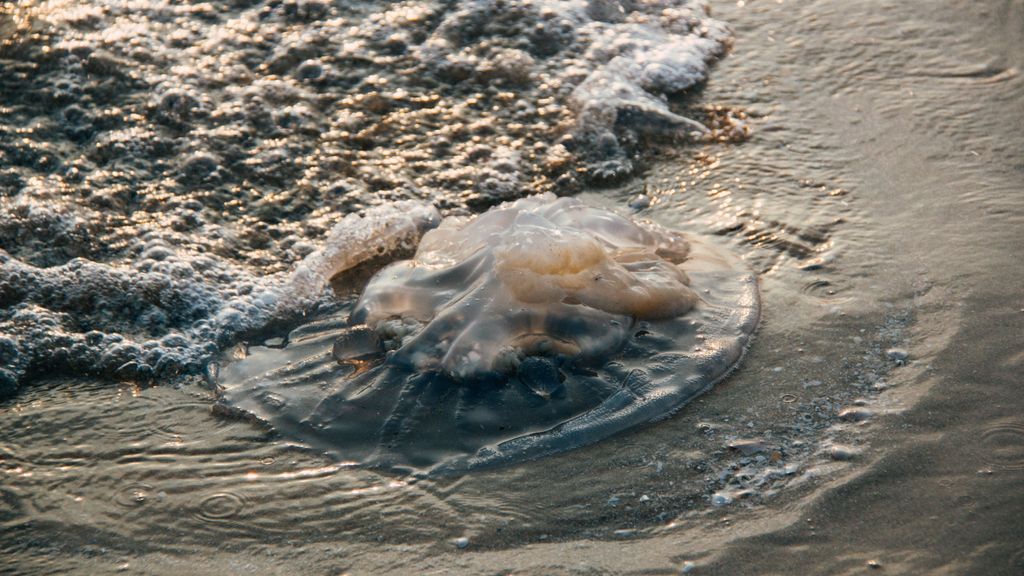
{"points": [[537, 327]]}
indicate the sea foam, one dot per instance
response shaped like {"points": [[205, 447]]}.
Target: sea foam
{"points": [[168, 311], [163, 166]]}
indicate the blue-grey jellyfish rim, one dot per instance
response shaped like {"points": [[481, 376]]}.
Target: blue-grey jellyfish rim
{"points": [[538, 327]]}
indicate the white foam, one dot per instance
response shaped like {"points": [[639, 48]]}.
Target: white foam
{"points": [[169, 311], [614, 57], [356, 239]]}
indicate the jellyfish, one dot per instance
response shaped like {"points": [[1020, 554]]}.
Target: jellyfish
{"points": [[537, 327]]}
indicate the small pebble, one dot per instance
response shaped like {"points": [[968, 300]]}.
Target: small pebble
{"points": [[897, 355], [720, 499], [461, 543], [639, 202], [749, 446], [855, 414], [842, 453], [688, 567]]}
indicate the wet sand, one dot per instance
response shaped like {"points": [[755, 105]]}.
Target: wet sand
{"points": [[880, 200]]}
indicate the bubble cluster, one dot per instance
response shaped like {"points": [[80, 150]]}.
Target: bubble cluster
{"points": [[169, 310]]}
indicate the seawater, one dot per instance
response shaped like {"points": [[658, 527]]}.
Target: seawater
{"points": [[162, 163]]}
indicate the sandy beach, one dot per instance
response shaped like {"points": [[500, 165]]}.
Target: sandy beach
{"points": [[874, 426]]}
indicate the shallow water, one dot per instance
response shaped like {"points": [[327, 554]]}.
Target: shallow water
{"points": [[875, 419]]}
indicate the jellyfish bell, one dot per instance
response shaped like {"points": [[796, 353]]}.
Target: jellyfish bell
{"points": [[537, 327]]}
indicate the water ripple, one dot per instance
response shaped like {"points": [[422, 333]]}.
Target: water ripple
{"points": [[133, 495], [220, 507], [1005, 443], [824, 292]]}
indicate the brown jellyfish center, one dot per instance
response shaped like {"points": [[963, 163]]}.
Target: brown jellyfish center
{"points": [[542, 265]]}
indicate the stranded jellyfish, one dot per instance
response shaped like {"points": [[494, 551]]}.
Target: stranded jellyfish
{"points": [[537, 327]]}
